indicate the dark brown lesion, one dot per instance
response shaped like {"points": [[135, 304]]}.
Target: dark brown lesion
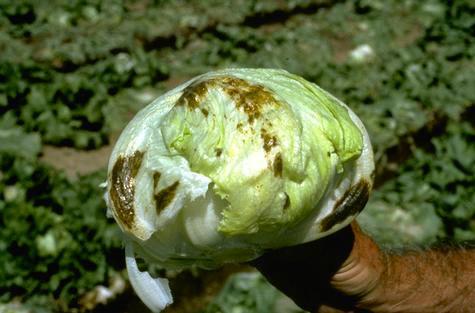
{"points": [[194, 94], [287, 202], [218, 152], [205, 112], [122, 188], [250, 98], [278, 165], [352, 202], [156, 179], [165, 196], [239, 126], [269, 140]]}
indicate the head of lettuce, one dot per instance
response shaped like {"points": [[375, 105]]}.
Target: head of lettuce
{"points": [[230, 164]]}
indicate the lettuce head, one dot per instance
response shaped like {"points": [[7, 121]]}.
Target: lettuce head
{"points": [[230, 164]]}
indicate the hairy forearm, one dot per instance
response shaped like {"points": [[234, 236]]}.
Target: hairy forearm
{"points": [[347, 271], [435, 280], [438, 280]]}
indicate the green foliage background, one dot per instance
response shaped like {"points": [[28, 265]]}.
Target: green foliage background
{"points": [[73, 72]]}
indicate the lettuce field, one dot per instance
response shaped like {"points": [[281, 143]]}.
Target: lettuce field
{"points": [[73, 73]]}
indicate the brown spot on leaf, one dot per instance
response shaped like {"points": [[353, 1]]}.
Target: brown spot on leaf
{"points": [[218, 151], [165, 196], [287, 202], [270, 141], [278, 166], [205, 112], [156, 179], [194, 94], [352, 202], [123, 187], [248, 97]]}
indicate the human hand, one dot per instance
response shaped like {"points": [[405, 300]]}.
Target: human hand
{"points": [[348, 272], [332, 274]]}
